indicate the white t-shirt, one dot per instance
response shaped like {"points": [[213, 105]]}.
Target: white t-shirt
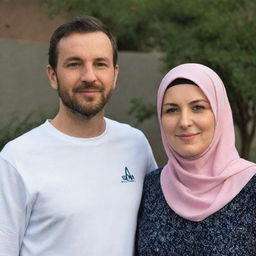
{"points": [[63, 196]]}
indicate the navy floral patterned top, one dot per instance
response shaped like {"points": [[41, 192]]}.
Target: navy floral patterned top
{"points": [[230, 231]]}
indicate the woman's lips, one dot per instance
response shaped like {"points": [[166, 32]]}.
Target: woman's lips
{"points": [[187, 137]]}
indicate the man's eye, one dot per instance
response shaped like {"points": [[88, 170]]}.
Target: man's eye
{"points": [[73, 64], [101, 64]]}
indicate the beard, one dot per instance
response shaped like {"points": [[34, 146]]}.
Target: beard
{"points": [[84, 107]]}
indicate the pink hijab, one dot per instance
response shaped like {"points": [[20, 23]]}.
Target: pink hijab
{"points": [[195, 196]]}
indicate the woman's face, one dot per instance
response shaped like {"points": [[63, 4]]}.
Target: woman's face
{"points": [[187, 119]]}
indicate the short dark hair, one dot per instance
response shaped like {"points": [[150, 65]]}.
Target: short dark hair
{"points": [[85, 24], [178, 81]]}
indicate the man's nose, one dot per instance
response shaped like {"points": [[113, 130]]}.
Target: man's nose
{"points": [[88, 74]]}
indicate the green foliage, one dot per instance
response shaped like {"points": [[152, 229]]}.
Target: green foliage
{"points": [[218, 33], [17, 127], [141, 111], [132, 21]]}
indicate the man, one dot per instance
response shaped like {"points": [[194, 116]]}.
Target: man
{"points": [[72, 186]]}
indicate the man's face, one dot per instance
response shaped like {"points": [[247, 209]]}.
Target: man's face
{"points": [[85, 75]]}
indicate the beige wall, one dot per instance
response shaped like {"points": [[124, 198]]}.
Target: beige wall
{"points": [[27, 20], [24, 87], [25, 29]]}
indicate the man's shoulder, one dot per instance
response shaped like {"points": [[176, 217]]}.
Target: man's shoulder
{"points": [[31, 137], [126, 133], [124, 128]]}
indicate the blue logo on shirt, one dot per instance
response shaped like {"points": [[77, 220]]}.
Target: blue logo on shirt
{"points": [[128, 177]]}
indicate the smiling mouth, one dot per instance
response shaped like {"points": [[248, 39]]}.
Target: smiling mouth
{"points": [[88, 91], [89, 94], [187, 137]]}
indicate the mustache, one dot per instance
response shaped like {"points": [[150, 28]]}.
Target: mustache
{"points": [[87, 86]]}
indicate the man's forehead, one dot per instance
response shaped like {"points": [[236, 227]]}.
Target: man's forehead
{"points": [[78, 59], [97, 37], [93, 42]]}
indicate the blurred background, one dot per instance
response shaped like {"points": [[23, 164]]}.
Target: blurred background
{"points": [[152, 36]]}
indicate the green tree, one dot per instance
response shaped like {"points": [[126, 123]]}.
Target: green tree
{"points": [[217, 33], [131, 20]]}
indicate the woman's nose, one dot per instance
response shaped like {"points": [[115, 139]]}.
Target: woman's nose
{"points": [[185, 119]]}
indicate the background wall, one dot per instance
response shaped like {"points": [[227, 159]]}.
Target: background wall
{"points": [[24, 87], [27, 20], [25, 29]]}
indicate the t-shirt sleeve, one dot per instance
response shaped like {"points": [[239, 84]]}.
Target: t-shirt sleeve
{"points": [[152, 165], [13, 197]]}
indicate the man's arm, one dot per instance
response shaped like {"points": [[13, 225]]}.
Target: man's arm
{"points": [[13, 199], [152, 165]]}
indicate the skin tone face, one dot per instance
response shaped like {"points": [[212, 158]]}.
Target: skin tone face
{"points": [[85, 75], [187, 119]]}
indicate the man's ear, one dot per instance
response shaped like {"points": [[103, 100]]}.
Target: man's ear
{"points": [[116, 70], [52, 77]]}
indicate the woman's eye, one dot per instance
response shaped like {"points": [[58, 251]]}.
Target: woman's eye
{"points": [[198, 107], [171, 110]]}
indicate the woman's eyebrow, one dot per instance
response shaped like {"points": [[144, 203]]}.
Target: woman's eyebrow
{"points": [[198, 101], [170, 104], [192, 102]]}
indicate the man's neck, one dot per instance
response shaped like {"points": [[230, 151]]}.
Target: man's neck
{"points": [[79, 126]]}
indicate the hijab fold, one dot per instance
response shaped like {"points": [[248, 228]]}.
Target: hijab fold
{"points": [[197, 187]]}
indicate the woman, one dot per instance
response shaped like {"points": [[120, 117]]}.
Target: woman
{"points": [[203, 202]]}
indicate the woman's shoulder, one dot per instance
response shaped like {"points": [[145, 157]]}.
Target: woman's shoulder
{"points": [[252, 180], [250, 187], [154, 174], [152, 181]]}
